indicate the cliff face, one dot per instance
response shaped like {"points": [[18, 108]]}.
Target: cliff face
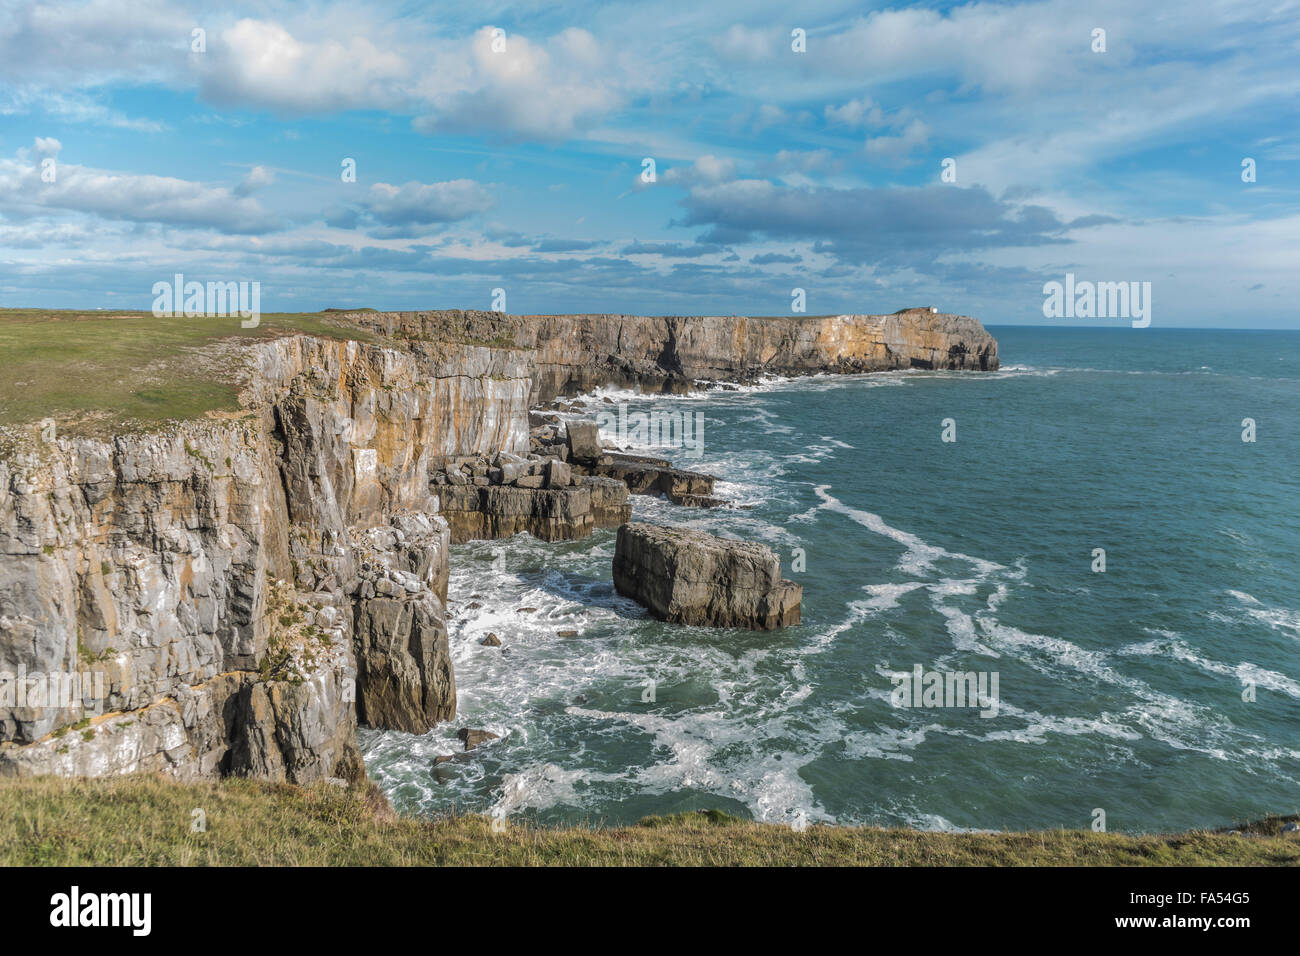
{"points": [[574, 353], [234, 593], [150, 566]]}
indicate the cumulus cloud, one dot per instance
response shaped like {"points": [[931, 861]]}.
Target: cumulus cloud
{"points": [[46, 146], [123, 196], [413, 208], [259, 62], [257, 177], [705, 170], [546, 91], [855, 114], [915, 135]]}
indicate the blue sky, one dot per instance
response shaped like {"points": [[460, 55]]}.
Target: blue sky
{"points": [[521, 168]]}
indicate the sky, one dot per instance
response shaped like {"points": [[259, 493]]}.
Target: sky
{"points": [[876, 156]]}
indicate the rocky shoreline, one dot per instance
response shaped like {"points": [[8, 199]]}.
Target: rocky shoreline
{"points": [[247, 587]]}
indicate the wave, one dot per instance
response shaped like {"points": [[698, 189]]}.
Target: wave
{"points": [[919, 555], [1282, 619]]}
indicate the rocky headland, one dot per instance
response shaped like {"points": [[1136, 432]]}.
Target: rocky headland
{"points": [[245, 587]]}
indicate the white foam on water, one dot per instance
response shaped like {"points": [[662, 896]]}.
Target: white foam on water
{"points": [[546, 785], [1169, 646], [889, 743], [885, 596], [961, 628], [1172, 720], [936, 823], [919, 556], [1281, 619], [767, 782], [1038, 726]]}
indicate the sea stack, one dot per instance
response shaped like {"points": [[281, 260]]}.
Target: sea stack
{"points": [[691, 577]]}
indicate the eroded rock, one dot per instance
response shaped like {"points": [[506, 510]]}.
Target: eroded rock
{"points": [[690, 577]]}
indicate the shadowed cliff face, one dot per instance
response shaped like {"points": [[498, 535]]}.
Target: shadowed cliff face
{"points": [[234, 592]]}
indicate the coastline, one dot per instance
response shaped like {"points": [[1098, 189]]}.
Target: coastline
{"points": [[241, 576]]}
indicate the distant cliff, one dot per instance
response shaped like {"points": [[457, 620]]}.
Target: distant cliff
{"points": [[238, 591], [574, 353]]}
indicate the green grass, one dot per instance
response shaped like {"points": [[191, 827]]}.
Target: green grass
{"points": [[90, 371], [96, 373], [138, 821]]}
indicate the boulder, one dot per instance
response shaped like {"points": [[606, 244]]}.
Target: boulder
{"points": [[690, 577], [584, 440], [472, 738], [558, 474], [610, 506], [404, 669]]}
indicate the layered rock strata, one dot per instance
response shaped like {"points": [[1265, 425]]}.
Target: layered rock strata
{"points": [[691, 577], [577, 353], [231, 593], [577, 442], [484, 499]]}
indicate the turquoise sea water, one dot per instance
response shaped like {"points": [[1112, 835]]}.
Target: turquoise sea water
{"points": [[1120, 690]]}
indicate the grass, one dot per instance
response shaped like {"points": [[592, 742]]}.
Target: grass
{"points": [[96, 372], [88, 370], [149, 821]]}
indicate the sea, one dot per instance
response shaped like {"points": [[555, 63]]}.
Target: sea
{"points": [[1104, 533]]}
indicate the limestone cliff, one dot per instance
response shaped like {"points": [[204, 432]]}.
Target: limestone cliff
{"points": [[151, 565], [575, 353], [238, 591]]}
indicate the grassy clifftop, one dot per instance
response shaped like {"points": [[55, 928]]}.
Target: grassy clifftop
{"points": [[152, 821], [87, 370]]}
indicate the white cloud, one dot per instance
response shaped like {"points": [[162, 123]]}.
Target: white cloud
{"points": [[47, 146], [915, 135], [259, 62], [747, 44], [707, 170], [257, 177], [414, 208], [124, 196], [71, 45], [542, 91], [855, 114], [424, 203]]}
